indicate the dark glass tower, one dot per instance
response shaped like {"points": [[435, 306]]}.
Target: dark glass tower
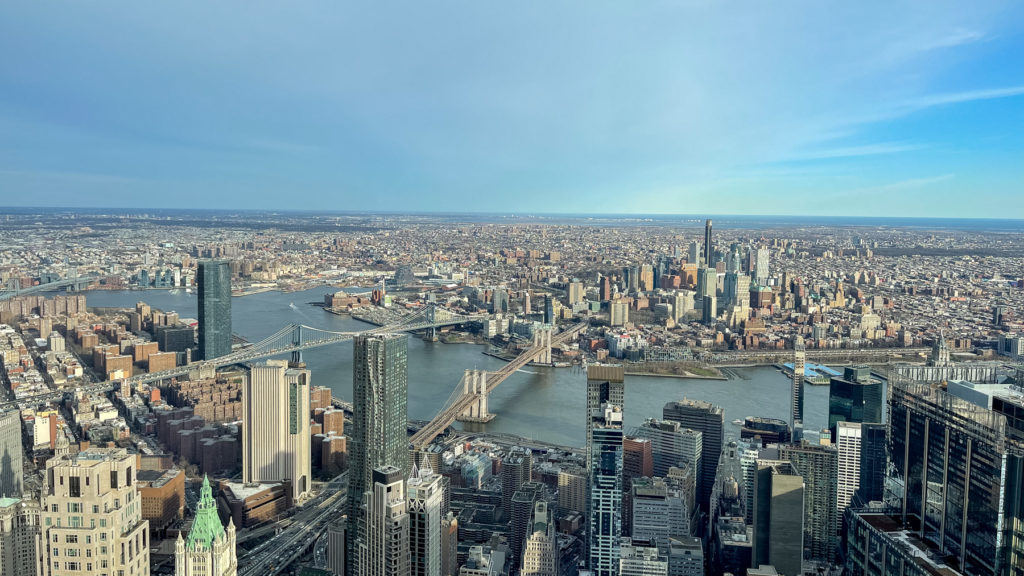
{"points": [[853, 402], [956, 478], [707, 244], [214, 283], [872, 464], [380, 416]]}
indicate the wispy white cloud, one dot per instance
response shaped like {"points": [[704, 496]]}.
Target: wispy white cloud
{"points": [[931, 100], [855, 151]]}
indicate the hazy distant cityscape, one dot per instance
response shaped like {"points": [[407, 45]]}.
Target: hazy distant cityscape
{"points": [[289, 393]]}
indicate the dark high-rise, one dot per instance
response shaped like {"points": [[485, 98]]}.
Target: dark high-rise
{"points": [[850, 401], [709, 420], [380, 416], [708, 252], [872, 464], [955, 478], [213, 278]]}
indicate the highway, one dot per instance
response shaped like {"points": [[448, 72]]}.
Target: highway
{"points": [[302, 531]]}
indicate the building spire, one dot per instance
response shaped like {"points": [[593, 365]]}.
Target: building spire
{"points": [[206, 528]]}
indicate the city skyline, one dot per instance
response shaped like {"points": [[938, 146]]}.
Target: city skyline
{"points": [[797, 108]]}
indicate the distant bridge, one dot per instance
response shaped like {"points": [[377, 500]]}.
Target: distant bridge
{"points": [[76, 283], [291, 339], [468, 402]]}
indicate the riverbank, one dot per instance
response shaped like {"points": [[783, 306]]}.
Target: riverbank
{"points": [[687, 376]]}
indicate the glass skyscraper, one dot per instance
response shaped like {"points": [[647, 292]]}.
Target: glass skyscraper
{"points": [[956, 478], [214, 283], [850, 401], [380, 415]]}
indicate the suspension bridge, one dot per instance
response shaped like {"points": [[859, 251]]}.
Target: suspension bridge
{"points": [[291, 339], [468, 401], [76, 283]]}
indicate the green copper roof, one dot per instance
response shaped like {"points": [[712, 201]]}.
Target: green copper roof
{"points": [[206, 527]]}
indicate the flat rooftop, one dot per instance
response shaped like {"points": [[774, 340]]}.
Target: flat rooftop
{"points": [[925, 554]]}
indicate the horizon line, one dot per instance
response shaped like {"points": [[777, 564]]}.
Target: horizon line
{"points": [[525, 215]]}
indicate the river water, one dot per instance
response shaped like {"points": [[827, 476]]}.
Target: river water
{"points": [[546, 404]]}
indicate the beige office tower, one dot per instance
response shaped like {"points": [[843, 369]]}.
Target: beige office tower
{"points": [[92, 516], [778, 516], [426, 500], [540, 556], [209, 549], [382, 546], [275, 426], [21, 540]]}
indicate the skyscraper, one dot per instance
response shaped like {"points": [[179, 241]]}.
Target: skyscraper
{"points": [[10, 454], [519, 525], [213, 278], [637, 462], [209, 549], [382, 545], [604, 508], [848, 443], [516, 470], [778, 516], [818, 465], [92, 520], [672, 445], [956, 477], [709, 420], [708, 251], [761, 267], [663, 507], [605, 385], [21, 539], [275, 426], [540, 556], [871, 486], [853, 401], [797, 398], [426, 501], [380, 416]]}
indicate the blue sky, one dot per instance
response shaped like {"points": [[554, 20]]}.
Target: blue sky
{"points": [[754, 107]]}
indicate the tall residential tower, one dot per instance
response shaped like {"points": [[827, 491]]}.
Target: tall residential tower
{"points": [[213, 278]]}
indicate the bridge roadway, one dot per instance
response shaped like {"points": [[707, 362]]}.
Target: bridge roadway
{"points": [[78, 282], [463, 401], [290, 339]]}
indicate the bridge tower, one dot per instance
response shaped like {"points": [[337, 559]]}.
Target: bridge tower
{"points": [[296, 361], [474, 383], [542, 337], [431, 333]]}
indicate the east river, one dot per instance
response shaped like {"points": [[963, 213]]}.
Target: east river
{"points": [[545, 404]]}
